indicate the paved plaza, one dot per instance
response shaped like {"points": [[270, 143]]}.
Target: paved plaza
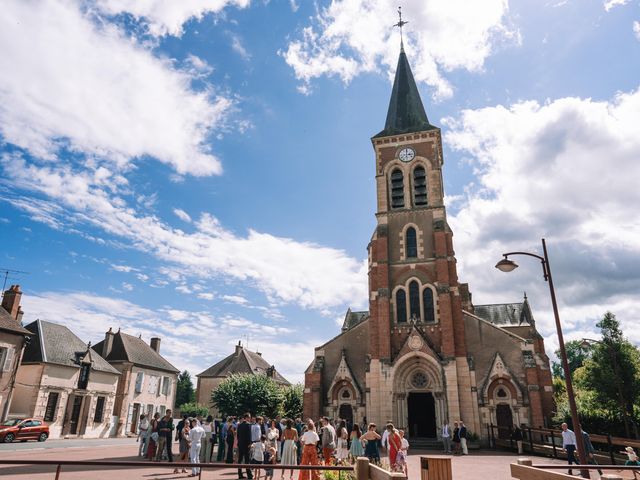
{"points": [[486, 465]]}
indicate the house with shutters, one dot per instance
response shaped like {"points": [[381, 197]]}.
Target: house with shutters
{"points": [[65, 382], [13, 338], [147, 382]]}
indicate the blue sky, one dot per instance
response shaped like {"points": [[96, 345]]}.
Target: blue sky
{"points": [[202, 171]]}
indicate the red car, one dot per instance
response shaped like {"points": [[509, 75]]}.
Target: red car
{"points": [[23, 429]]}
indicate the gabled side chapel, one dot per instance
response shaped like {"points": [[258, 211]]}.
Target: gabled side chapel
{"points": [[423, 352]]}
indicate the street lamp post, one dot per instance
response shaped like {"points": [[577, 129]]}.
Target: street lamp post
{"points": [[506, 265]]}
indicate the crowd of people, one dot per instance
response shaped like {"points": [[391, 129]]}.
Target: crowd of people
{"points": [[259, 441]]}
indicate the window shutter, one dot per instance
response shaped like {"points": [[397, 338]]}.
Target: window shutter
{"points": [[8, 359], [139, 380], [129, 417]]}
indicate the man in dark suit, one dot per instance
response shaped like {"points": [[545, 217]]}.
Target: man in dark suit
{"points": [[244, 444]]}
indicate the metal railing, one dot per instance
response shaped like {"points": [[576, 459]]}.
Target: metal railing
{"points": [[202, 466], [548, 442]]}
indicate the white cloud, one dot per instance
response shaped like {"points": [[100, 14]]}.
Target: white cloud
{"points": [[610, 4], [350, 37], [182, 215], [566, 170], [89, 316], [235, 299], [205, 296], [636, 29], [310, 275], [122, 268], [239, 48], [69, 80], [127, 286], [167, 16]]}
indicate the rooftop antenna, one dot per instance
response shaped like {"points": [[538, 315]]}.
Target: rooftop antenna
{"points": [[400, 24], [6, 272], [247, 337]]}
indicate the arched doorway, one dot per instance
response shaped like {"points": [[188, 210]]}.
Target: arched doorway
{"points": [[421, 408], [504, 419], [346, 413]]}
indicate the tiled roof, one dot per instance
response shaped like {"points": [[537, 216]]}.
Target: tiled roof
{"points": [[10, 324], [54, 343], [242, 361], [506, 314], [351, 319], [127, 348]]}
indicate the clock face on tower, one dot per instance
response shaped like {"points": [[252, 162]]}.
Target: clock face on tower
{"points": [[407, 154]]}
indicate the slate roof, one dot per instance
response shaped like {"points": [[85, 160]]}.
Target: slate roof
{"points": [[10, 324], [54, 343], [127, 348], [506, 314], [351, 319], [242, 361], [406, 112]]}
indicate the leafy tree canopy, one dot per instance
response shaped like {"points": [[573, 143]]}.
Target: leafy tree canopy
{"points": [[577, 353], [257, 394], [292, 404]]}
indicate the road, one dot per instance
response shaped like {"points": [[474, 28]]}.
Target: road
{"points": [[62, 443]]}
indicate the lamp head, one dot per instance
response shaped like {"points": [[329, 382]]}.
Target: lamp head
{"points": [[506, 265]]}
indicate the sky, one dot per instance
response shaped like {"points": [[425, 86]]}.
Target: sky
{"points": [[202, 170]]}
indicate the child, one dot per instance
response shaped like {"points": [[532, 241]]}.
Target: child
{"points": [[631, 455], [401, 460], [257, 455], [270, 457]]}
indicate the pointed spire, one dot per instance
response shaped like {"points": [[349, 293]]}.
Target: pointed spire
{"points": [[406, 113]]}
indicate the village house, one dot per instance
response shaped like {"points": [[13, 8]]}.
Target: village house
{"points": [[240, 361], [65, 382], [13, 338], [147, 383]]}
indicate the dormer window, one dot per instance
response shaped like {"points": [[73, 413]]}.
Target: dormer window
{"points": [[83, 380]]}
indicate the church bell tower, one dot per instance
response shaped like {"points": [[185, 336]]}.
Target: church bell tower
{"points": [[415, 300]]}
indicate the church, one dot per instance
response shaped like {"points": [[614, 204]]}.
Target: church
{"points": [[424, 353]]}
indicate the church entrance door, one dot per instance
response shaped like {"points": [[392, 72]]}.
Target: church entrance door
{"points": [[346, 413], [422, 414], [504, 418]]}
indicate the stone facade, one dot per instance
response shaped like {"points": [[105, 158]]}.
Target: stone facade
{"points": [[420, 355]]}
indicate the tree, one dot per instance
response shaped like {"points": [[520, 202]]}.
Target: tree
{"points": [[185, 393], [613, 372], [257, 394], [577, 353], [292, 404]]}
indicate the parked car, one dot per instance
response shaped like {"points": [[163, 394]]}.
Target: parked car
{"points": [[23, 429]]}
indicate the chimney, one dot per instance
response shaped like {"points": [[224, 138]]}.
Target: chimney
{"points": [[238, 347], [108, 343], [155, 344], [11, 300]]}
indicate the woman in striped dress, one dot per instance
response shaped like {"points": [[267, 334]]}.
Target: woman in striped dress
{"points": [[289, 450]]}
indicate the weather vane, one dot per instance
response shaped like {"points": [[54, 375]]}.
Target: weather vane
{"points": [[400, 24]]}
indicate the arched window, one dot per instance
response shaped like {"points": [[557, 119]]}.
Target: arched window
{"points": [[414, 300], [401, 306], [397, 189], [427, 304], [411, 243], [419, 186]]}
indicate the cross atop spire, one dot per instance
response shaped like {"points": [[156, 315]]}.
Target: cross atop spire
{"points": [[400, 24]]}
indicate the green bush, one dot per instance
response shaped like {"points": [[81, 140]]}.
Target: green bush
{"points": [[193, 409]]}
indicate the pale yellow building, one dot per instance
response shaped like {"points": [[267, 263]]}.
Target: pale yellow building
{"points": [[64, 382]]}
